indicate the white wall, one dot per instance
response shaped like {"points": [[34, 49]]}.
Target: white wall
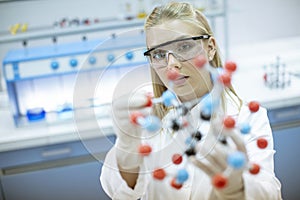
{"points": [[259, 20], [45, 12]]}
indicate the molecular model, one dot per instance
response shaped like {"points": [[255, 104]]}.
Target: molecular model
{"points": [[276, 75], [236, 160]]}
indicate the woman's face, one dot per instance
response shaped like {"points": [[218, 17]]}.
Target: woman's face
{"points": [[192, 82]]}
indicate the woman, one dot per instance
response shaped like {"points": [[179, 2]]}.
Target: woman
{"points": [[170, 29]]}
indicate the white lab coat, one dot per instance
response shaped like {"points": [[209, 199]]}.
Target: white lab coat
{"points": [[262, 186]]}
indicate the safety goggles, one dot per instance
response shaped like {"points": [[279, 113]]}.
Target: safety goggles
{"points": [[182, 49]]}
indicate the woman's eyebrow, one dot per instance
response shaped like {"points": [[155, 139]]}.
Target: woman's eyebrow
{"points": [[170, 41]]}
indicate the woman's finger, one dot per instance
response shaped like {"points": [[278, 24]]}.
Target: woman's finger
{"points": [[132, 101], [237, 138], [214, 153], [222, 132], [219, 156], [125, 114], [204, 167]]}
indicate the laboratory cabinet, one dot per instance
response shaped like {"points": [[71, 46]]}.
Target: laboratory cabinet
{"points": [[287, 161], [285, 123], [68, 170]]}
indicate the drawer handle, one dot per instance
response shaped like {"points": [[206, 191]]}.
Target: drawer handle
{"points": [[288, 113], [56, 152]]}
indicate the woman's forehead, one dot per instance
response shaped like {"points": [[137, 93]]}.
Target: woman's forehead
{"points": [[170, 30]]}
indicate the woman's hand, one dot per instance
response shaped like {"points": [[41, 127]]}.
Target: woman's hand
{"points": [[129, 134], [212, 155]]}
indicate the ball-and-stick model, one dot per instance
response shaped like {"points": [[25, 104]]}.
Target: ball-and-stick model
{"points": [[209, 105]]}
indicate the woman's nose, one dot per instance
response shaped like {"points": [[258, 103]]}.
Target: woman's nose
{"points": [[172, 62]]}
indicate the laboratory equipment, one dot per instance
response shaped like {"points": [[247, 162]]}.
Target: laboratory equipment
{"points": [[276, 75], [40, 80]]}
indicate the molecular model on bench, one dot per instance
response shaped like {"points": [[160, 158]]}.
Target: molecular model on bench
{"points": [[209, 104]]}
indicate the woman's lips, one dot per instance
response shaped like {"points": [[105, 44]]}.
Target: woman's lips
{"points": [[181, 80]]}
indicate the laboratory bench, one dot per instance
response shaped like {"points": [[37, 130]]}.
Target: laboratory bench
{"points": [[61, 161]]}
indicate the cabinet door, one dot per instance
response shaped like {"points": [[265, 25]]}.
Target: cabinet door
{"points": [[287, 159], [76, 182], [1, 192]]}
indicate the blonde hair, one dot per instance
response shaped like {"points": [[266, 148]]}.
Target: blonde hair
{"points": [[184, 12]]}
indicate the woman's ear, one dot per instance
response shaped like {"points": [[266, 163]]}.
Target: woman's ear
{"points": [[211, 48]]}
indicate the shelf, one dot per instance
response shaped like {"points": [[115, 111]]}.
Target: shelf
{"points": [[109, 24], [54, 32]]}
